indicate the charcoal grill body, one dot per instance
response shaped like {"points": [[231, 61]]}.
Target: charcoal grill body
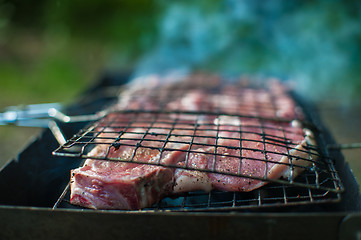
{"points": [[32, 183]]}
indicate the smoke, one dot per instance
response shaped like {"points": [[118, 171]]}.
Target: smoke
{"points": [[316, 44], [188, 37]]}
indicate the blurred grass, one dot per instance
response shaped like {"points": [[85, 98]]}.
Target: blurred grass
{"points": [[52, 51], [39, 70]]}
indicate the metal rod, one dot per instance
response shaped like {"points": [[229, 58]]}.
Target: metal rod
{"points": [[344, 146], [55, 129], [56, 114], [39, 115], [60, 199]]}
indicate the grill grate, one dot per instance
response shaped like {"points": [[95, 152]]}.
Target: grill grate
{"points": [[156, 131], [269, 196], [248, 125]]}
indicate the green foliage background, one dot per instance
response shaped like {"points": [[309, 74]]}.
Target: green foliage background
{"points": [[52, 50]]}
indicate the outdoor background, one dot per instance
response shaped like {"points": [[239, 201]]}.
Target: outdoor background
{"points": [[51, 51]]}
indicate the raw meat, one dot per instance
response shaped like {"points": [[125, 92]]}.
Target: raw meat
{"points": [[244, 152], [271, 102], [118, 185], [240, 135]]}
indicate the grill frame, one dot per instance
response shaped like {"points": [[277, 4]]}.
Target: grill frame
{"points": [[111, 141], [30, 187], [329, 181]]}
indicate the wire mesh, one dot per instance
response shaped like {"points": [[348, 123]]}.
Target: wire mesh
{"points": [[249, 136], [153, 138], [269, 196]]}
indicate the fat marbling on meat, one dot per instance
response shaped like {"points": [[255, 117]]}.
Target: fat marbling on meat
{"points": [[243, 150], [251, 145]]}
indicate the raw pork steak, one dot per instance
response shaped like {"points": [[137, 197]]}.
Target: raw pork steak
{"points": [[237, 137]]}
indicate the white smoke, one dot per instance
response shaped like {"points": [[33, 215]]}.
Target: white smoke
{"points": [[315, 44]]}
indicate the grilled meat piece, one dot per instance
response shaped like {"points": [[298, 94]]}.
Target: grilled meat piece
{"points": [[116, 185], [256, 153], [245, 139], [273, 101]]}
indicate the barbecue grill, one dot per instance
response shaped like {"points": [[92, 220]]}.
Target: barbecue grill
{"points": [[324, 200]]}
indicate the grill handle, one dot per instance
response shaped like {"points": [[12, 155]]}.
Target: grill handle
{"points": [[344, 146], [44, 116], [39, 115]]}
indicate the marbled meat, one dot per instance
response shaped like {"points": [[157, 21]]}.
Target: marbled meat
{"points": [[176, 147]]}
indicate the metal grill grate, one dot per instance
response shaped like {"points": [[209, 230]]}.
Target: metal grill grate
{"points": [[269, 196], [220, 123]]}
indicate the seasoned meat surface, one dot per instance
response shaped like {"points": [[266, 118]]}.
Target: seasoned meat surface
{"points": [[244, 151], [227, 138]]}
